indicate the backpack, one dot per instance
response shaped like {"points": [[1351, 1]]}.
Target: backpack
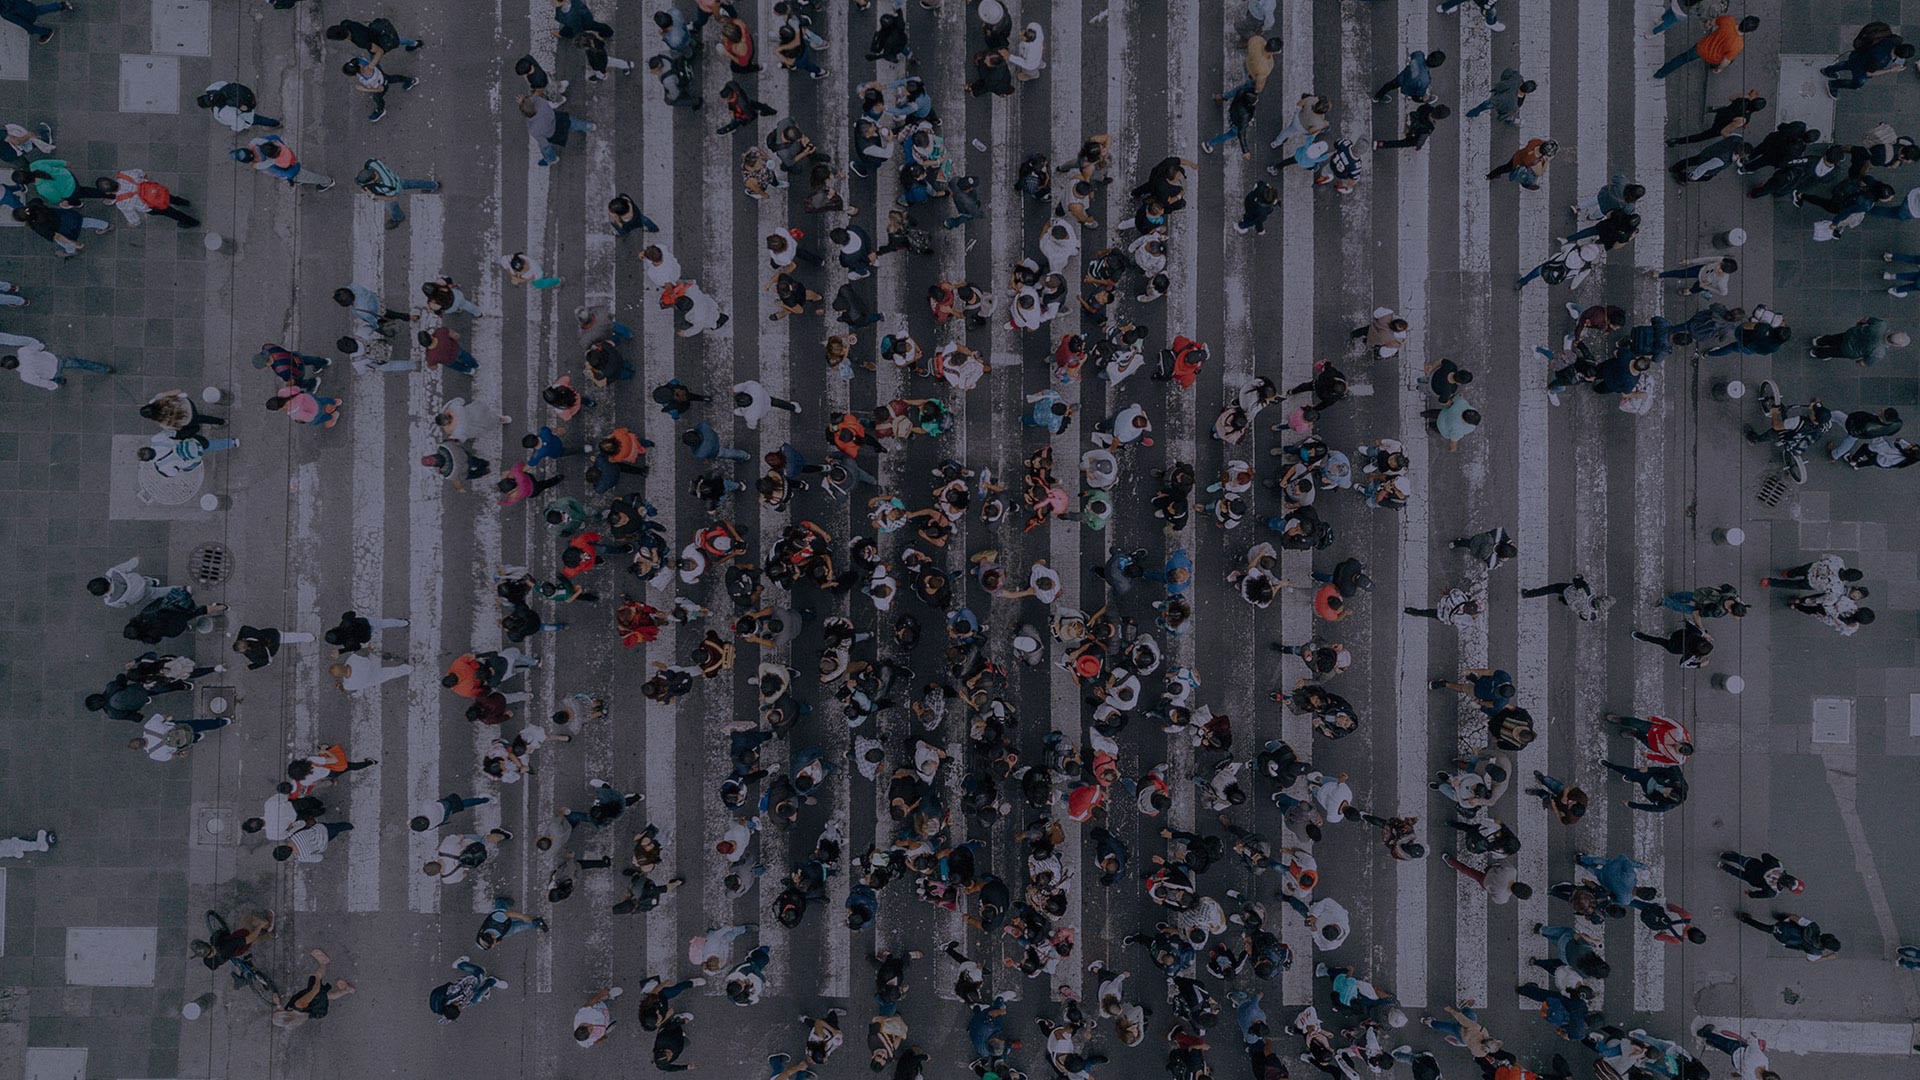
{"points": [[385, 36], [153, 195], [1870, 35], [235, 96]]}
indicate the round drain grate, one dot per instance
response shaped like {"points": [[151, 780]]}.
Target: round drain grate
{"points": [[209, 564]]}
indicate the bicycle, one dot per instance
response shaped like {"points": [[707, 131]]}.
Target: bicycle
{"points": [[244, 973]]}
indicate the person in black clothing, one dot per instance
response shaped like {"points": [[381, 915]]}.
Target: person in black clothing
{"points": [[1861, 426], [1691, 643], [1734, 116], [376, 38], [670, 1043], [1421, 123], [1762, 873], [742, 107]]}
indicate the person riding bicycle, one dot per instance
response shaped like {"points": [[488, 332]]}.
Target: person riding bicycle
{"points": [[1790, 426], [226, 943]]}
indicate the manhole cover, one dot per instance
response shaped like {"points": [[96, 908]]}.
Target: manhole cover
{"points": [[209, 564]]}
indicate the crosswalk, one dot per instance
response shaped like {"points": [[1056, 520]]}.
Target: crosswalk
{"points": [[1425, 234]]}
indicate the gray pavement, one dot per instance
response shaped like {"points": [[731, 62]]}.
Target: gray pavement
{"points": [[317, 521]]}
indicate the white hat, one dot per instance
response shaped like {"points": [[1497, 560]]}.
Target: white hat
{"points": [[991, 11]]}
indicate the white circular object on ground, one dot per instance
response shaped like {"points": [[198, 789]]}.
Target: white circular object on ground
{"points": [[1735, 390], [191, 1010], [1733, 684], [213, 395], [210, 502], [213, 240]]}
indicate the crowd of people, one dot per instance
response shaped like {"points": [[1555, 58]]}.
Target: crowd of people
{"points": [[934, 658]]}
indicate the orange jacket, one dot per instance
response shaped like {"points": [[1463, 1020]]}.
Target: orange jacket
{"points": [[1723, 42], [629, 446], [467, 670]]}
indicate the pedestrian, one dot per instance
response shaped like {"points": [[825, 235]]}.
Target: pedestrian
{"points": [[461, 852], [260, 645], [281, 813], [382, 184], [1863, 426], [1736, 115], [1454, 421], [1455, 608], [1717, 49], [314, 1000], [1413, 81], [371, 79], [162, 738], [548, 127], [1240, 113], [309, 842], [1422, 122], [1876, 50], [449, 999], [356, 671], [233, 106], [25, 14], [271, 155], [122, 587], [1528, 165], [1865, 342], [36, 366], [1259, 205], [592, 1021], [136, 196], [625, 216], [1690, 642], [503, 922], [444, 810], [171, 455], [1509, 92], [303, 407], [1796, 932], [443, 349], [1665, 786], [1709, 275], [1500, 880], [1749, 1055]]}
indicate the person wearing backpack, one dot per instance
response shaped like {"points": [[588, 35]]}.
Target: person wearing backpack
{"points": [[382, 184], [376, 37], [232, 105], [137, 195]]}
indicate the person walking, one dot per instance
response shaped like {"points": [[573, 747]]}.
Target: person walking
{"points": [[1422, 122], [354, 631], [25, 14], [1258, 206], [1508, 93], [450, 999], [1690, 642], [378, 180], [1865, 342], [549, 127], [356, 672], [1763, 875], [271, 155], [261, 644], [39, 367], [315, 999], [443, 810], [1718, 48], [1796, 932], [752, 403], [1862, 426], [233, 107], [1709, 275], [171, 455], [371, 79], [308, 843], [1414, 81], [123, 587], [137, 196]]}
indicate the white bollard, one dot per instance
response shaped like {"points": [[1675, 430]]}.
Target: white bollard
{"points": [[1730, 537]]}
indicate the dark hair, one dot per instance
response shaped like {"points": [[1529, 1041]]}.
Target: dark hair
{"points": [[282, 853], [343, 296], [1462, 376], [1528, 86], [337, 32], [252, 825], [1521, 890], [1749, 24], [1440, 112], [1632, 193], [1436, 58], [1470, 416]]}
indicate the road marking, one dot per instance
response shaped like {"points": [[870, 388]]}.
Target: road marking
{"points": [[1650, 490], [656, 330], [367, 418], [426, 556], [305, 735], [1533, 490]]}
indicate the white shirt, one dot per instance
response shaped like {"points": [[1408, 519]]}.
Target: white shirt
{"points": [[755, 410], [278, 813], [596, 1018], [154, 735], [308, 842], [125, 588], [174, 456], [38, 367], [663, 273], [233, 119]]}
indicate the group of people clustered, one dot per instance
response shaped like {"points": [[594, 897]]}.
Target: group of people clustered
{"points": [[1219, 951]]}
